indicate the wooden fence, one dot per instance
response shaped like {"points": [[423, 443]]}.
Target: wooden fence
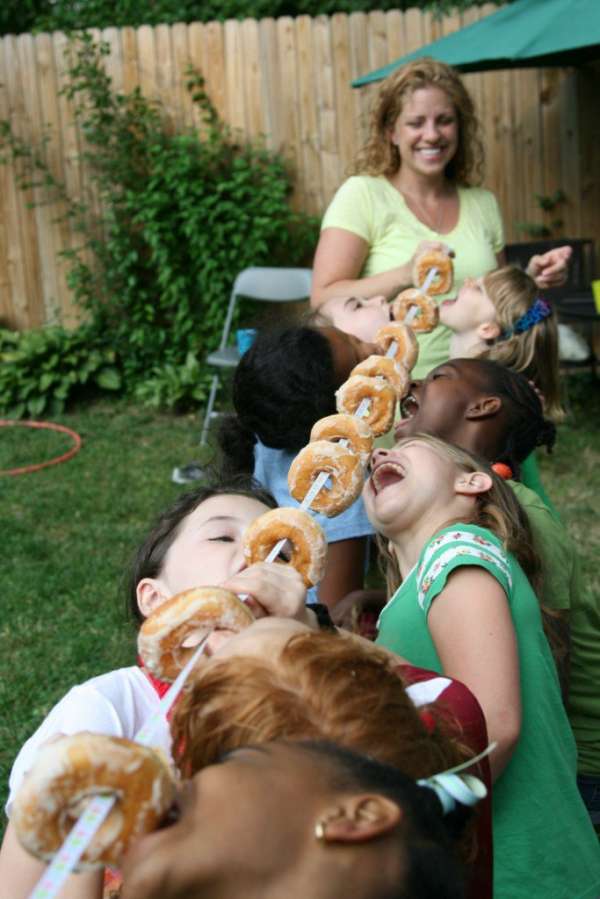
{"points": [[288, 80]]}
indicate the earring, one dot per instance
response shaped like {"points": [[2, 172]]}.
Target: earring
{"points": [[320, 831]]}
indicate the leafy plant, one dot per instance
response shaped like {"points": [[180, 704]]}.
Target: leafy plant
{"points": [[547, 204], [40, 370], [181, 216], [66, 15]]}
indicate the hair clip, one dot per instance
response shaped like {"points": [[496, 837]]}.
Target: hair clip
{"points": [[537, 312], [503, 470], [450, 788]]}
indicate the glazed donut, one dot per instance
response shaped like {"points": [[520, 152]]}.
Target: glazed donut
{"points": [[345, 427], [344, 467], [309, 544], [380, 415], [428, 313], [71, 770], [382, 367], [197, 611], [427, 260], [407, 348]]}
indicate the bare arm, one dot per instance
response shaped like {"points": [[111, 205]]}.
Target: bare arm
{"points": [[473, 632], [345, 570], [338, 262], [19, 873]]}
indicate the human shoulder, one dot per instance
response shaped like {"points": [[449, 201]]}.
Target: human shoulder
{"points": [[455, 546], [114, 703], [353, 204]]}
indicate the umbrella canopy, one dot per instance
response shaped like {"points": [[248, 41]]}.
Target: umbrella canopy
{"points": [[523, 34]]}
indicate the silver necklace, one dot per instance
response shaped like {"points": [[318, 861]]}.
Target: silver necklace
{"points": [[424, 218]]}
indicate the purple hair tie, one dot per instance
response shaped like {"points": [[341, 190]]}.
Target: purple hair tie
{"points": [[537, 312]]}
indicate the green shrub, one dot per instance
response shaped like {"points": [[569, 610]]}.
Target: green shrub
{"points": [[40, 369], [182, 215], [65, 15]]}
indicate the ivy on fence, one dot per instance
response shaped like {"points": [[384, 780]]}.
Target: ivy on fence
{"points": [[180, 215]]}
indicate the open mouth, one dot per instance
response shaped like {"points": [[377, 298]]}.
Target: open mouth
{"points": [[409, 406], [385, 475]]}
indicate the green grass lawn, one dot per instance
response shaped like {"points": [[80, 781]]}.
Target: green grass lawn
{"points": [[67, 532]]}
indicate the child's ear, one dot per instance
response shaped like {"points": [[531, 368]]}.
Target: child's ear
{"points": [[359, 819], [149, 596], [472, 483], [483, 407], [488, 331]]}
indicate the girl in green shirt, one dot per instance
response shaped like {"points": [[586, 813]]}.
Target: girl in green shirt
{"points": [[461, 550]]}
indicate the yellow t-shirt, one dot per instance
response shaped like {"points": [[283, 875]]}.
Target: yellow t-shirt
{"points": [[374, 210]]}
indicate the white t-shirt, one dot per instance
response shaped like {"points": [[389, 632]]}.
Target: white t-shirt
{"points": [[117, 704]]}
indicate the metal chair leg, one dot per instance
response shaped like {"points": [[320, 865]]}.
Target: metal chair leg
{"points": [[209, 409]]}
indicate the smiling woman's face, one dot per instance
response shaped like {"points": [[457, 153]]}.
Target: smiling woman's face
{"points": [[242, 821]]}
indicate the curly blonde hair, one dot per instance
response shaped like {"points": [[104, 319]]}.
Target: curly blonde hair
{"points": [[533, 353], [380, 157]]}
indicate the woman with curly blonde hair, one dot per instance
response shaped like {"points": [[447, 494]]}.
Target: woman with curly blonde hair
{"points": [[414, 186]]}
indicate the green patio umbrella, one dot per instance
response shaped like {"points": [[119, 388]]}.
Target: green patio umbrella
{"points": [[523, 34]]}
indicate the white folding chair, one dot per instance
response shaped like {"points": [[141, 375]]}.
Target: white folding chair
{"points": [[269, 285]]}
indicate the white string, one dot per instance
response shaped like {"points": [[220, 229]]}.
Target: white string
{"points": [[84, 829], [429, 279]]}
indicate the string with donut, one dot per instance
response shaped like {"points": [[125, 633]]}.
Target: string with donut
{"points": [[432, 275], [114, 809]]}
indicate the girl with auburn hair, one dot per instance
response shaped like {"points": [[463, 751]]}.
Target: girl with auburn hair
{"points": [[465, 608], [413, 188], [277, 680]]}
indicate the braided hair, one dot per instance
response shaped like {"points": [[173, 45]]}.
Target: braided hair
{"points": [[526, 427]]}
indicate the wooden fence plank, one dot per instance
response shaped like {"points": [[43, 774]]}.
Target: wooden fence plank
{"points": [[288, 99], [130, 60], [342, 76], [182, 100], [252, 82], [324, 79], [234, 75], [310, 175], [35, 252], [53, 222], [270, 82]]}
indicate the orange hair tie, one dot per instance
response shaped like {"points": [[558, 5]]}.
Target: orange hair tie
{"points": [[502, 470]]}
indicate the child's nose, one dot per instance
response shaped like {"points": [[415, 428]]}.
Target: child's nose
{"points": [[377, 456]]}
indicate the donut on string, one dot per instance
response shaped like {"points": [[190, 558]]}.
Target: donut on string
{"points": [[442, 263], [68, 772], [407, 347], [189, 615], [345, 427], [427, 314], [304, 534], [381, 396], [382, 367], [344, 467]]}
